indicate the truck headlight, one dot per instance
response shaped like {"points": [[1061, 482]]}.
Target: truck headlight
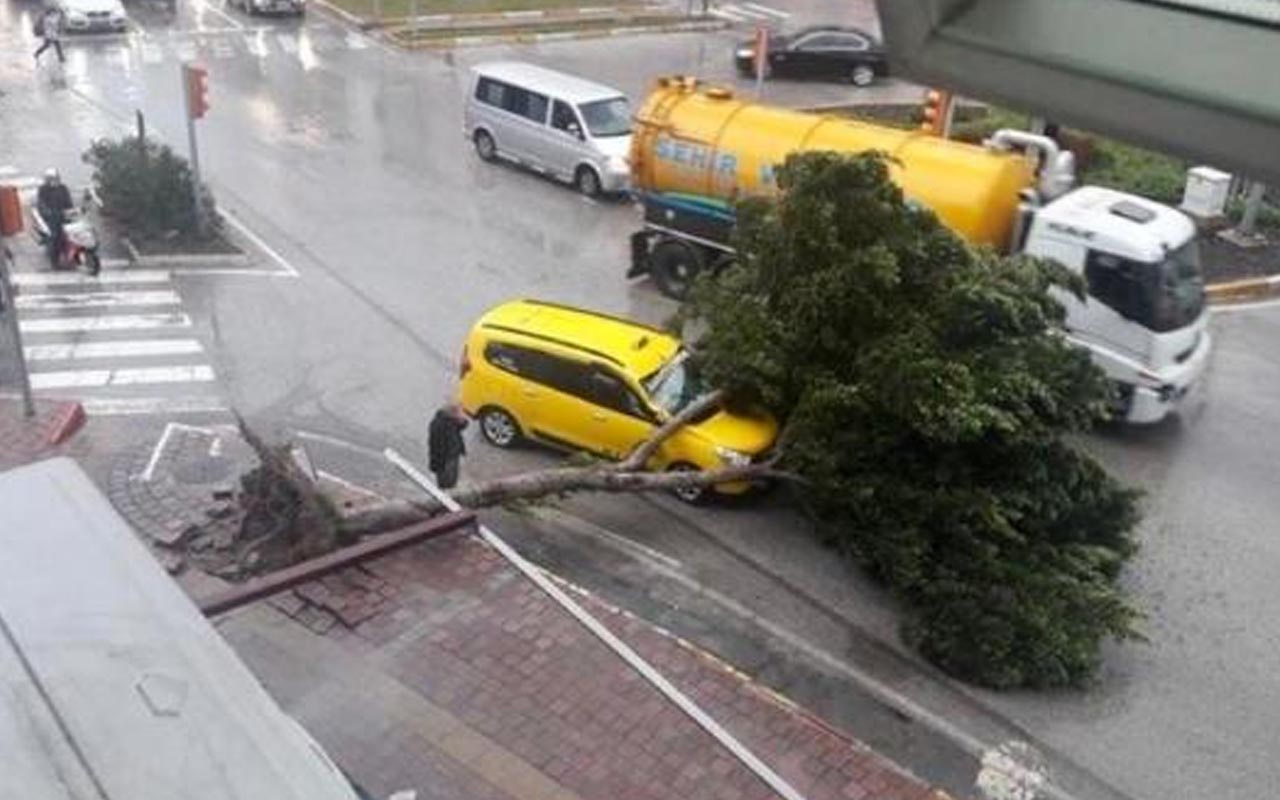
{"points": [[732, 457]]}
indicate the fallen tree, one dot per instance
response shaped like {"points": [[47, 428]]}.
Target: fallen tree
{"points": [[286, 518]]}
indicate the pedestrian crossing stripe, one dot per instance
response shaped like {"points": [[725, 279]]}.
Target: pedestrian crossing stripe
{"points": [[138, 406], [126, 376], [130, 348], [106, 277], [747, 12], [66, 302], [114, 322]]}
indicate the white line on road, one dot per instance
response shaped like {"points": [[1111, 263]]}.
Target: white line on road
{"points": [[80, 279], [132, 348], [773, 12], [1233, 307], [235, 23], [136, 406], [257, 45], [56, 302], [356, 42], [257, 240], [288, 43], [222, 49], [732, 15], [115, 322], [133, 376]]}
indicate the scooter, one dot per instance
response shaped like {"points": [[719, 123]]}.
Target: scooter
{"points": [[79, 241]]}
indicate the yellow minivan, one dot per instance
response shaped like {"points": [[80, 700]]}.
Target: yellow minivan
{"points": [[582, 380]]}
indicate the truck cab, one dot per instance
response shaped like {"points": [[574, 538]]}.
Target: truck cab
{"points": [[1145, 318]]}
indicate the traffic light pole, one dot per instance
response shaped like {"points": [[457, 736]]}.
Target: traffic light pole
{"points": [[194, 150], [9, 314]]}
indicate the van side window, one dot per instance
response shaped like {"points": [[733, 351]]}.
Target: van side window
{"points": [[610, 391], [556, 373], [531, 105], [491, 92], [562, 117]]}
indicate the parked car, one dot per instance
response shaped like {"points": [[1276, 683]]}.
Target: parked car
{"points": [[571, 129], [822, 52], [93, 16], [582, 380], [251, 7]]}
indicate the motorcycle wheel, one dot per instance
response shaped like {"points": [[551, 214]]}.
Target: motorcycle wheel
{"points": [[92, 262]]}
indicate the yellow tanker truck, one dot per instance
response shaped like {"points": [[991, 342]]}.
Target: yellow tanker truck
{"points": [[695, 149]]}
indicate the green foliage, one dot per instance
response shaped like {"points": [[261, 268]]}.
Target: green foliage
{"points": [[926, 394], [145, 187]]}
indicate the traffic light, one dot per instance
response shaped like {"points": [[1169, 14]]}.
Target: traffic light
{"points": [[197, 85], [936, 114]]}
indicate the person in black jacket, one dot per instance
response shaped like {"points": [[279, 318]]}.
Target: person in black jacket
{"points": [[53, 200], [445, 447]]}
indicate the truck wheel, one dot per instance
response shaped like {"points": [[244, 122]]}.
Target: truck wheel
{"points": [[587, 182], [674, 266], [485, 148], [862, 75]]}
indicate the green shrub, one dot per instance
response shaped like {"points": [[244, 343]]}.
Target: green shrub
{"points": [[146, 187], [927, 396]]}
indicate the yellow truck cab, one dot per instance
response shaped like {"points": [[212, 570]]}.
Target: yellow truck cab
{"points": [[582, 380]]}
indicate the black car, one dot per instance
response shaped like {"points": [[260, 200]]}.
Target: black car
{"points": [[826, 52]]}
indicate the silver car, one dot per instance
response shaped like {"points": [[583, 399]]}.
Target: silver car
{"points": [[566, 127]]}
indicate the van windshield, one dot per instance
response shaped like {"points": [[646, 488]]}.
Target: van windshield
{"points": [[607, 117], [676, 385]]}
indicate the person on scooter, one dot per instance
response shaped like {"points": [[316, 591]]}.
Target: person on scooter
{"points": [[53, 200]]}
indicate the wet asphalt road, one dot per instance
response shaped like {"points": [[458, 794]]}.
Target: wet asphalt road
{"points": [[348, 160]]}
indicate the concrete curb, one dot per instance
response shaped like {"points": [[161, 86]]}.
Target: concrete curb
{"points": [[446, 42], [69, 420], [493, 17], [179, 260], [1246, 289]]}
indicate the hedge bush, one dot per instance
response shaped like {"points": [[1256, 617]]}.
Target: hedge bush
{"points": [[146, 188]]}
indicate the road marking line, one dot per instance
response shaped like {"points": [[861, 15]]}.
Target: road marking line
{"points": [[288, 43], [356, 42], [158, 450], [726, 13], [1233, 307], [585, 527], [185, 50], [235, 23], [131, 348], [222, 49], [78, 279], [257, 45], [770, 11], [257, 240], [152, 53], [355, 487], [133, 376], [336, 442], [136, 406], [56, 302], [115, 322]]}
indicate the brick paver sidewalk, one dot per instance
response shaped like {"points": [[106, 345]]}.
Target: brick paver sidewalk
{"points": [[25, 439], [454, 676]]}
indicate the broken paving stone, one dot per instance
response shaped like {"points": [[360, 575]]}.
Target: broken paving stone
{"points": [[220, 511], [287, 603], [172, 562], [175, 533]]}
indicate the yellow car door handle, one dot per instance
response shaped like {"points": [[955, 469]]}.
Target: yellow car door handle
{"points": [[598, 416]]}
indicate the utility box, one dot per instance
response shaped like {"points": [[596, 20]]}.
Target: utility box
{"points": [[10, 210], [1205, 195]]}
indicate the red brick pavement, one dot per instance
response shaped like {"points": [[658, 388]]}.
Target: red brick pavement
{"points": [[25, 439], [453, 622]]}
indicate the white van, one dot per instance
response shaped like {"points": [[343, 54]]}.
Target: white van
{"points": [[571, 129]]}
